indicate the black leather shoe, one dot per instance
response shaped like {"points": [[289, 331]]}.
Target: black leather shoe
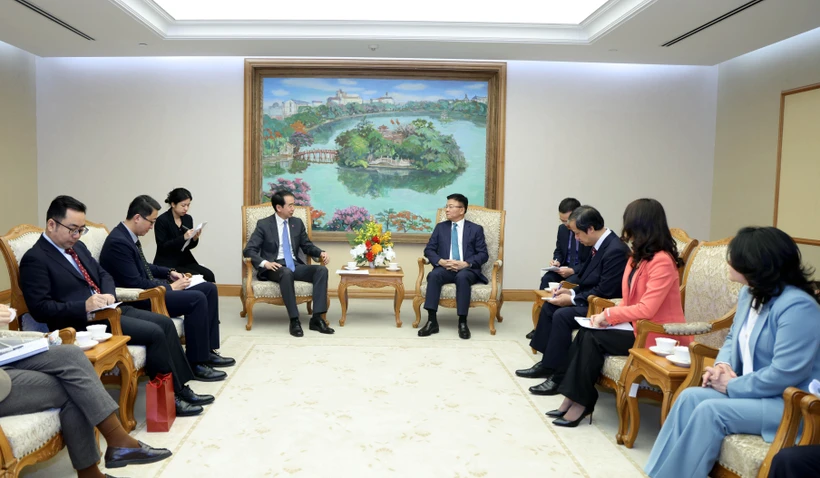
{"points": [[185, 409], [296, 328], [429, 328], [116, 457], [204, 373], [194, 399], [531, 334], [216, 360], [555, 413], [562, 422], [320, 326], [538, 370], [463, 330], [548, 387]]}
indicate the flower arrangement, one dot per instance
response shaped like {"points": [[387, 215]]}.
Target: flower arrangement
{"points": [[371, 245]]}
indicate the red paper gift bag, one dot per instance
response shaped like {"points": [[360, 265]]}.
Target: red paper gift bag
{"points": [[160, 407]]}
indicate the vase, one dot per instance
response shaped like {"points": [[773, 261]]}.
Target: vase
{"points": [[371, 264]]}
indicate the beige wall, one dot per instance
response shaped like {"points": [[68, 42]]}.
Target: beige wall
{"points": [[748, 117], [18, 142]]}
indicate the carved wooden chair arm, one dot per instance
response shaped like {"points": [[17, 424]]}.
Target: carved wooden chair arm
{"points": [[788, 429], [810, 408], [68, 335], [698, 354], [113, 318], [422, 261]]}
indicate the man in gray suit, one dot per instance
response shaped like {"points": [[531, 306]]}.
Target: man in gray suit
{"points": [[275, 256], [63, 377]]}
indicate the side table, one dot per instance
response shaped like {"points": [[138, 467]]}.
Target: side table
{"points": [[374, 279], [114, 353], [656, 370]]}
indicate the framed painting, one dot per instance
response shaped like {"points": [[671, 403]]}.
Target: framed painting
{"points": [[361, 139]]}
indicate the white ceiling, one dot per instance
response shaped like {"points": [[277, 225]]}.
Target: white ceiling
{"points": [[627, 31]]}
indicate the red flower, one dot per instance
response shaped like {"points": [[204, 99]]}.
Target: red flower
{"points": [[369, 256], [368, 244], [376, 239]]}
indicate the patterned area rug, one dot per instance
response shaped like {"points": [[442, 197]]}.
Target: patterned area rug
{"points": [[378, 407]]}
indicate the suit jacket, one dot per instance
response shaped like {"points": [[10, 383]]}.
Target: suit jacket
{"points": [[561, 253], [55, 292], [601, 274], [784, 345], [170, 240], [264, 242], [474, 247], [121, 258], [654, 296]]}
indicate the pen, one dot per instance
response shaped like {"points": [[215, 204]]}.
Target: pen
{"points": [[555, 292]]}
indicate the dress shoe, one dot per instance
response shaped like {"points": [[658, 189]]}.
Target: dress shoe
{"points": [[555, 413], [538, 370], [531, 334], [216, 360], [319, 325], [562, 422], [296, 328], [185, 409], [116, 457], [548, 387], [194, 399], [205, 373], [463, 330], [429, 328]]}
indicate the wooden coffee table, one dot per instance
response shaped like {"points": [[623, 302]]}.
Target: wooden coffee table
{"points": [[656, 370], [374, 279], [114, 353]]}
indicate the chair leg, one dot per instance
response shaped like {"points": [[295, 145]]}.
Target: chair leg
{"points": [[417, 301], [499, 318], [534, 352], [249, 309], [310, 307], [243, 312], [493, 314]]}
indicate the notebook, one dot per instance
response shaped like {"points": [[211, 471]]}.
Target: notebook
{"points": [[13, 349]]}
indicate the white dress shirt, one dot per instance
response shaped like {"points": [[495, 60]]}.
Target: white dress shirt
{"points": [[280, 255], [744, 341], [64, 254], [460, 232]]}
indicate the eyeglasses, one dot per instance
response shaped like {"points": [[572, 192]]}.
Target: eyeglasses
{"points": [[453, 206], [79, 231], [152, 222]]}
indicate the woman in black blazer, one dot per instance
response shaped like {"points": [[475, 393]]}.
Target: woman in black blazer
{"points": [[172, 229]]}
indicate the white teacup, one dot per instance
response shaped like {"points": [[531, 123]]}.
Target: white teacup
{"points": [[666, 345], [554, 285], [682, 352], [83, 337], [351, 265], [97, 331], [393, 265]]}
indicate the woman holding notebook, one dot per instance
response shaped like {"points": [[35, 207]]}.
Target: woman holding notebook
{"points": [[651, 291], [172, 230]]}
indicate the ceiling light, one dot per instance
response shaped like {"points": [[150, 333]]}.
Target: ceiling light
{"points": [[514, 11]]}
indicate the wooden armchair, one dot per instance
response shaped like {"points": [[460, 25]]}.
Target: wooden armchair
{"points": [[685, 245], [255, 290], [484, 295], [748, 456]]}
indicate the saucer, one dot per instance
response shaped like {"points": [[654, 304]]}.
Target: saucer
{"points": [[393, 270], [87, 345], [354, 269], [657, 351], [679, 361], [103, 337]]}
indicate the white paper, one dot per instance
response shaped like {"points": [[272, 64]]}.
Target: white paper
{"points": [[13, 312], [196, 279], [814, 387], [112, 306], [584, 322], [357, 271], [633, 390], [196, 230]]}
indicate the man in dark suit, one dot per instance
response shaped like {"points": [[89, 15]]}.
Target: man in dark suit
{"points": [[122, 256], [63, 285], [457, 251], [275, 255], [599, 275], [569, 254]]}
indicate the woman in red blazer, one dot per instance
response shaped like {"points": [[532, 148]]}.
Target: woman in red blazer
{"points": [[651, 291]]}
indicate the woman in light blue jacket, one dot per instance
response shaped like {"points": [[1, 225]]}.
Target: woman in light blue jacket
{"points": [[773, 344]]}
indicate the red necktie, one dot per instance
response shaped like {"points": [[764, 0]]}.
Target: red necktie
{"points": [[594, 251], [84, 272]]}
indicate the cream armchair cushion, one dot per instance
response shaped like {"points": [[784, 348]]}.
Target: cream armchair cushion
{"points": [[743, 454], [26, 433]]}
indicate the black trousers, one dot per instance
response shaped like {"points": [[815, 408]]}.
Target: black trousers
{"points": [[200, 306], [315, 274], [195, 268], [440, 276], [553, 334], [587, 359], [796, 462], [157, 333]]}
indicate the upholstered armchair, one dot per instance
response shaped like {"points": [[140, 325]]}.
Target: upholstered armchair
{"points": [[749, 456], [685, 245], [484, 295], [255, 290]]}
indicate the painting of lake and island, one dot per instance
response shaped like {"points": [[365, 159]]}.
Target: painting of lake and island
{"points": [[390, 149]]}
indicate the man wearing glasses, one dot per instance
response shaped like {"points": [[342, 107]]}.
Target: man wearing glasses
{"points": [[63, 285], [123, 258], [457, 251]]}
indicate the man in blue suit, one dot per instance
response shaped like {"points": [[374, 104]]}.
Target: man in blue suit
{"points": [[457, 251], [123, 258]]}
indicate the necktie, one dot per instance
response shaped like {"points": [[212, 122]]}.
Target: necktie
{"points": [[594, 251], [287, 250], [454, 242], [570, 261], [144, 262], [84, 272]]}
